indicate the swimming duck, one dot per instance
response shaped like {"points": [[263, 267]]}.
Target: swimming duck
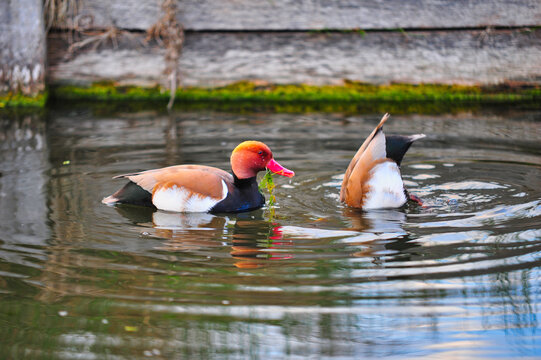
{"points": [[199, 188], [372, 179]]}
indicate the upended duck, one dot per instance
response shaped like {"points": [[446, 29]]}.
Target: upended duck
{"points": [[372, 179], [199, 188]]}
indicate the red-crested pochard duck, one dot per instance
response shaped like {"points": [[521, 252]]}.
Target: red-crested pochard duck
{"points": [[372, 179], [198, 188]]}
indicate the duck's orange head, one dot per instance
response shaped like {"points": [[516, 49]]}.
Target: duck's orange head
{"points": [[251, 157]]}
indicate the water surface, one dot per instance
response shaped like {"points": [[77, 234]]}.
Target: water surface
{"points": [[456, 278]]}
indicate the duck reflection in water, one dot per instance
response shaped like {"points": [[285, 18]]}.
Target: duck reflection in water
{"points": [[382, 236], [254, 240], [376, 234]]}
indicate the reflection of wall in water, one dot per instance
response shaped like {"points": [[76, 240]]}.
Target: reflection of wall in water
{"points": [[73, 192], [23, 180]]}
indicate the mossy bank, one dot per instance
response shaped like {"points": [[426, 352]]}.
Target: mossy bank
{"points": [[9, 100], [422, 97]]}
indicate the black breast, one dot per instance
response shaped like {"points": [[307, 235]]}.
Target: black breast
{"points": [[243, 196]]}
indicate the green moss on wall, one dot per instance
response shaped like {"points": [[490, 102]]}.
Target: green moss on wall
{"points": [[349, 92], [11, 100], [351, 96]]}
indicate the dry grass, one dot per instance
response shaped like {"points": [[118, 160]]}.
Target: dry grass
{"points": [[97, 38], [60, 13]]}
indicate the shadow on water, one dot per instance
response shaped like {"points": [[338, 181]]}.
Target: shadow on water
{"points": [[456, 278]]}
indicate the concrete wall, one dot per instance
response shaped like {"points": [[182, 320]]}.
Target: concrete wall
{"points": [[22, 46], [214, 59]]}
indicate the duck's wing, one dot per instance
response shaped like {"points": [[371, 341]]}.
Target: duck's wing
{"points": [[198, 178], [371, 153], [175, 188]]}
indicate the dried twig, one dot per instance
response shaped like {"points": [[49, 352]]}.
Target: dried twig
{"points": [[98, 38], [167, 32], [171, 34]]}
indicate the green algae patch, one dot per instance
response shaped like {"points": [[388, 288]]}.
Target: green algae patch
{"points": [[319, 98], [11, 100], [350, 91], [108, 91]]}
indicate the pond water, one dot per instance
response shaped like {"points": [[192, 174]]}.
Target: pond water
{"points": [[456, 278]]}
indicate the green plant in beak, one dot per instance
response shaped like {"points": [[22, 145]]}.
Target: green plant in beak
{"points": [[268, 183]]}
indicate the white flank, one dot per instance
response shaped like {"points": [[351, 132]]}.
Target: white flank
{"points": [[179, 199], [225, 190], [386, 187]]}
